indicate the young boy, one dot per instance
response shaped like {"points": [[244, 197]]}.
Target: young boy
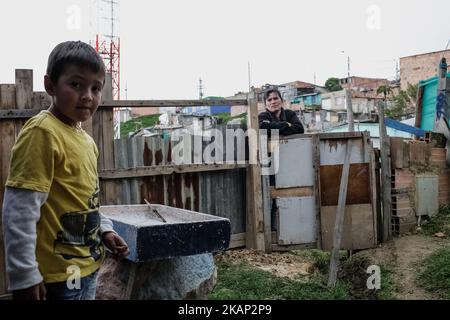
{"points": [[53, 230]]}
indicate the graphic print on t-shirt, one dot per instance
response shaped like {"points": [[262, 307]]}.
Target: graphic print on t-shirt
{"points": [[80, 236]]}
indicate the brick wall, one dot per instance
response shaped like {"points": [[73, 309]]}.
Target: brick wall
{"points": [[420, 67]]}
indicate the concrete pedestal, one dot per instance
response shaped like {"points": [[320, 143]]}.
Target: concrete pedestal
{"points": [[184, 277]]}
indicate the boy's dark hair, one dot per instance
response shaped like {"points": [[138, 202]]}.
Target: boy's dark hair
{"points": [[272, 90], [73, 53]]}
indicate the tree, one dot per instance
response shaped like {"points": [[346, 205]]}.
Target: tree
{"points": [[332, 84], [403, 103], [385, 90]]}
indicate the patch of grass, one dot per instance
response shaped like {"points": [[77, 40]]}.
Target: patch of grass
{"points": [[138, 123], [243, 282], [434, 273], [388, 284], [438, 223], [319, 259], [354, 273]]}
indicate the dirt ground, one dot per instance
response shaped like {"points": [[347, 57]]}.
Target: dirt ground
{"points": [[279, 264], [402, 254]]}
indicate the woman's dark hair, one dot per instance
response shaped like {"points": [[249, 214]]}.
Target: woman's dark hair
{"points": [[73, 53], [269, 91]]}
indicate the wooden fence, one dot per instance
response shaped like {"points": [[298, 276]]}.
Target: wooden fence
{"points": [[125, 178]]}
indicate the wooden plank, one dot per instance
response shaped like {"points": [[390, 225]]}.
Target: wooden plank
{"points": [[363, 231], [385, 176], [19, 114], [24, 88], [358, 232], [98, 138], [267, 201], [148, 171], [7, 133], [97, 130], [340, 135], [108, 154], [87, 126], [7, 96], [171, 103], [339, 222], [303, 246], [372, 182], [292, 192], [108, 139], [419, 103], [255, 221], [237, 240], [316, 166], [41, 100]]}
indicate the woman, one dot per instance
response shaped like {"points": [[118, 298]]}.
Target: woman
{"points": [[276, 117]]}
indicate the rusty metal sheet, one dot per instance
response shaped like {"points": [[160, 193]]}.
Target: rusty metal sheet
{"points": [[358, 191], [332, 151]]}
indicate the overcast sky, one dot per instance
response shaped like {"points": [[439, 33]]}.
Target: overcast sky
{"points": [[167, 45]]}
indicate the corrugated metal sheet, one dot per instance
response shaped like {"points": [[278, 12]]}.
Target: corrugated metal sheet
{"points": [[220, 193]]}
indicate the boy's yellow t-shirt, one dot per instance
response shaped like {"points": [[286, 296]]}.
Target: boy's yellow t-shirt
{"points": [[52, 157]]}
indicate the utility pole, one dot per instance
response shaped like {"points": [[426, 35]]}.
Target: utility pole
{"points": [[351, 126], [200, 88], [249, 79]]}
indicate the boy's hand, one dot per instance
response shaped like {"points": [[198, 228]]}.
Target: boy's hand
{"points": [[36, 292], [116, 244]]}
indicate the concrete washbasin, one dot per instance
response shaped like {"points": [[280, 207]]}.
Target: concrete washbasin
{"points": [[184, 233]]}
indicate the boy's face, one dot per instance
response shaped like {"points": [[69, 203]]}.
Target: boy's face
{"points": [[76, 94]]}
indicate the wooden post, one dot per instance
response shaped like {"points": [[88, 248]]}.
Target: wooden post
{"points": [[419, 99], [385, 177], [24, 89], [103, 134], [267, 206], [340, 213], [266, 199], [255, 214], [441, 123], [316, 166]]}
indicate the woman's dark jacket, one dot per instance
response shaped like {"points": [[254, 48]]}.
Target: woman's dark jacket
{"points": [[268, 120]]}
